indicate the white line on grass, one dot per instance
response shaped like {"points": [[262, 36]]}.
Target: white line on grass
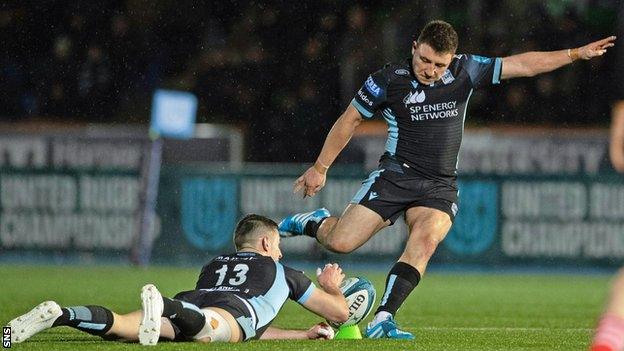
{"points": [[506, 329]]}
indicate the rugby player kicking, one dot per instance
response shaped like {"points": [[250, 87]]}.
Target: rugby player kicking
{"points": [[423, 100]]}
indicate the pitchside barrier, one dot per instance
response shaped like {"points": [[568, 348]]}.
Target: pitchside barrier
{"points": [[539, 198], [77, 194], [547, 199]]}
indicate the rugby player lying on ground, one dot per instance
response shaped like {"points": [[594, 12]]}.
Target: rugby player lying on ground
{"points": [[236, 298]]}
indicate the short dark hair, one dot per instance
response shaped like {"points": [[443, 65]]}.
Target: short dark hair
{"points": [[250, 226], [440, 36]]}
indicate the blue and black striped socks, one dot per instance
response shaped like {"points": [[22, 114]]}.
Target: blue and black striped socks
{"points": [[400, 282], [95, 320]]}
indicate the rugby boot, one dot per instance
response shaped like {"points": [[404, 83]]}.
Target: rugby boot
{"points": [[294, 225], [39, 318], [152, 303], [387, 328]]}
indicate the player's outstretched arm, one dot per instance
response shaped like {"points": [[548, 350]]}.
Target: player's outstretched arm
{"points": [[318, 331], [533, 63], [616, 145], [314, 178], [329, 302]]}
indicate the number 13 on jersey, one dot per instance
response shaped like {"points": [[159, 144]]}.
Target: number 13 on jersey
{"points": [[240, 271]]}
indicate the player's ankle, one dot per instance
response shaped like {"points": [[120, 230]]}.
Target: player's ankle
{"points": [[381, 316], [312, 227], [95, 320]]}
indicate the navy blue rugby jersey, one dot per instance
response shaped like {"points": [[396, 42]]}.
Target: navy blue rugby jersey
{"points": [[426, 122], [260, 284]]}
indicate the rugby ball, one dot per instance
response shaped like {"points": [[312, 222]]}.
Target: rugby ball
{"points": [[360, 295]]}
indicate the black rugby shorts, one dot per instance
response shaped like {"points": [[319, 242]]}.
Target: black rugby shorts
{"points": [[392, 189]]}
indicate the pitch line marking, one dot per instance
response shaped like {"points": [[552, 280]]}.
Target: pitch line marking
{"points": [[519, 329]]}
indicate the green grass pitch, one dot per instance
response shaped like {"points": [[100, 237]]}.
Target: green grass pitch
{"points": [[458, 311]]}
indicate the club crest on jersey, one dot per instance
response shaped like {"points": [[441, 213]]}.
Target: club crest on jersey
{"points": [[372, 87], [414, 97], [447, 77]]}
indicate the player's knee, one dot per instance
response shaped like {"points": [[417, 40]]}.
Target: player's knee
{"points": [[429, 245], [204, 340], [337, 245]]}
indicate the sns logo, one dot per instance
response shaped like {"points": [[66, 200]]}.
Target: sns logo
{"points": [[414, 98], [372, 87], [6, 337]]}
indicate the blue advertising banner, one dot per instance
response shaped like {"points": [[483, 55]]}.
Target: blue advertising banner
{"points": [[209, 212]]}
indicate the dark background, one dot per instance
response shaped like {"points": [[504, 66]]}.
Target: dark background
{"points": [[283, 70]]}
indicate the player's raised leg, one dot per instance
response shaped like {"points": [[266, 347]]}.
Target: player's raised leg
{"points": [[339, 234], [427, 228], [352, 230], [297, 223]]}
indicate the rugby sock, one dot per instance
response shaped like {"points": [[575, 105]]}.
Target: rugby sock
{"points": [[186, 316], [95, 320], [609, 334], [312, 227], [400, 282]]}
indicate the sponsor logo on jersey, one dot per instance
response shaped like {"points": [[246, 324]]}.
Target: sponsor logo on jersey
{"points": [[222, 288], [372, 87], [402, 72], [373, 195], [365, 98], [447, 77], [440, 110], [414, 97]]}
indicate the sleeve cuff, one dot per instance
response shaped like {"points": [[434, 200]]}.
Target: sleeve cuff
{"points": [[306, 295], [361, 109], [498, 63]]}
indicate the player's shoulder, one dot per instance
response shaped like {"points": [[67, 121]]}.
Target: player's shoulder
{"points": [[288, 268], [397, 69], [289, 271], [459, 62], [394, 71], [462, 59]]}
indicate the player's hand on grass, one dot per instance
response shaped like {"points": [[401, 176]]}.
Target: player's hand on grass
{"points": [[321, 331], [597, 48], [311, 181], [330, 278]]}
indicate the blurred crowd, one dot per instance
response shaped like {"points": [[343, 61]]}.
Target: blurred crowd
{"points": [[283, 72]]}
